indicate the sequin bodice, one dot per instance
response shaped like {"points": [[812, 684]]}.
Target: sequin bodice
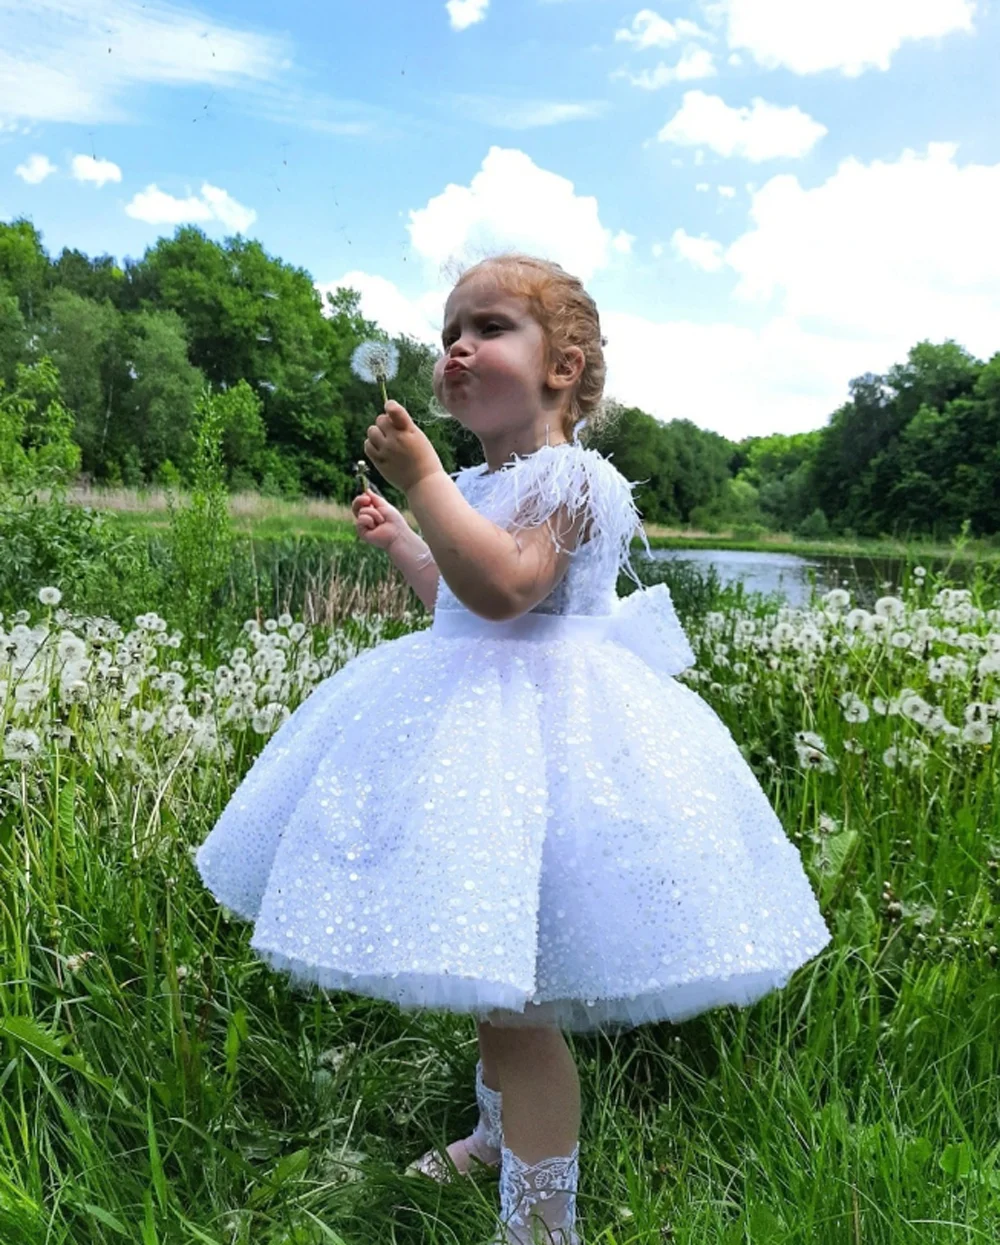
{"points": [[527, 493]]}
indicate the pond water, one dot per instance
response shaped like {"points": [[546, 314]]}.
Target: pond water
{"points": [[791, 575]]}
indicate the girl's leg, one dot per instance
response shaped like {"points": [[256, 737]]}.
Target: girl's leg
{"points": [[541, 1126]]}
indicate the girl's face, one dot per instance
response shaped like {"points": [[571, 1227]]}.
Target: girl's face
{"points": [[494, 360]]}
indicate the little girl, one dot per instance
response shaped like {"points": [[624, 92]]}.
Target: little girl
{"points": [[518, 813]]}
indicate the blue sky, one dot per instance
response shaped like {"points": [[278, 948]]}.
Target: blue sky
{"points": [[766, 197]]}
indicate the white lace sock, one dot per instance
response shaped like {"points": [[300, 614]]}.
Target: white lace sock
{"points": [[488, 1135], [538, 1200]]}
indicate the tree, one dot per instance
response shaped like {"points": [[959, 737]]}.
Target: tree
{"points": [[157, 406], [36, 446], [24, 266], [86, 341]]}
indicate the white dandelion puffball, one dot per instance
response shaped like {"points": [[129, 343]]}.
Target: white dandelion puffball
{"points": [[375, 361], [49, 596]]}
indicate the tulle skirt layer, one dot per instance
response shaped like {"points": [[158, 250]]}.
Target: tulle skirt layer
{"points": [[530, 825]]}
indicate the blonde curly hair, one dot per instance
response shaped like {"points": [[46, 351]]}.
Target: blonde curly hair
{"points": [[568, 317]]}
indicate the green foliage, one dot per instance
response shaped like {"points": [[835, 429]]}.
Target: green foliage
{"points": [[83, 552], [201, 537], [36, 447], [47, 541], [912, 452], [814, 526]]}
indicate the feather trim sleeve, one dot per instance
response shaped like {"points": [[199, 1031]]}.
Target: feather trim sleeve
{"points": [[578, 478]]}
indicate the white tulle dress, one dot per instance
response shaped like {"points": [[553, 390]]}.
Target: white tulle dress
{"points": [[529, 820]]}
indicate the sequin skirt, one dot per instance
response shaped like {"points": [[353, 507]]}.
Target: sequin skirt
{"points": [[531, 822]]}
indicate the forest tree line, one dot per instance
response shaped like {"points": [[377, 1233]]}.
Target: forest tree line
{"points": [[913, 452]]}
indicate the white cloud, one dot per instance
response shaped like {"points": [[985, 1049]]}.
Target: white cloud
{"points": [[88, 169], [649, 30], [62, 69], [511, 202], [846, 277], [394, 311], [703, 252], [694, 63], [776, 378], [622, 242], [761, 132], [156, 207], [226, 209], [35, 169], [842, 278], [892, 251], [703, 187], [727, 192], [849, 35], [515, 114], [465, 13], [691, 30]]}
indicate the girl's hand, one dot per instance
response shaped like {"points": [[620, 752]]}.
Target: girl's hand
{"points": [[377, 522], [399, 449]]}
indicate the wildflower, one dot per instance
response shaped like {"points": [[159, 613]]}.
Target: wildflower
{"points": [[49, 596], [889, 607], [811, 751], [855, 709], [375, 362], [21, 745], [977, 733], [837, 599], [990, 664], [74, 963]]}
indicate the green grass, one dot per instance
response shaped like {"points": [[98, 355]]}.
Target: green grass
{"points": [[159, 1084], [276, 519]]}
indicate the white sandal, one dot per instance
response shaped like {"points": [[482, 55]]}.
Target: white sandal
{"points": [[483, 1146]]}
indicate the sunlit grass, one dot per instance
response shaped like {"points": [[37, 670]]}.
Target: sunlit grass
{"points": [[275, 518], [160, 1084]]}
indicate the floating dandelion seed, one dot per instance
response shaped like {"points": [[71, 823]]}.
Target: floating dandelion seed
{"points": [[375, 362], [263, 337], [318, 376], [268, 385], [269, 294]]}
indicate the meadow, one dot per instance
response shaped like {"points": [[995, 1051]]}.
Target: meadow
{"points": [[159, 1084], [146, 510]]}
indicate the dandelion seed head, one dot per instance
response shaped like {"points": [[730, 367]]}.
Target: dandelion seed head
{"points": [[375, 361], [977, 733]]}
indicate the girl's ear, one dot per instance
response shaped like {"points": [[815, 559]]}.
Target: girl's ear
{"points": [[566, 368]]}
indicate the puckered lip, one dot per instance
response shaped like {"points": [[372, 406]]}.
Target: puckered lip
{"points": [[454, 368]]}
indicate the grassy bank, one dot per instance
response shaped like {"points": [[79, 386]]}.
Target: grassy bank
{"points": [[274, 518]]}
